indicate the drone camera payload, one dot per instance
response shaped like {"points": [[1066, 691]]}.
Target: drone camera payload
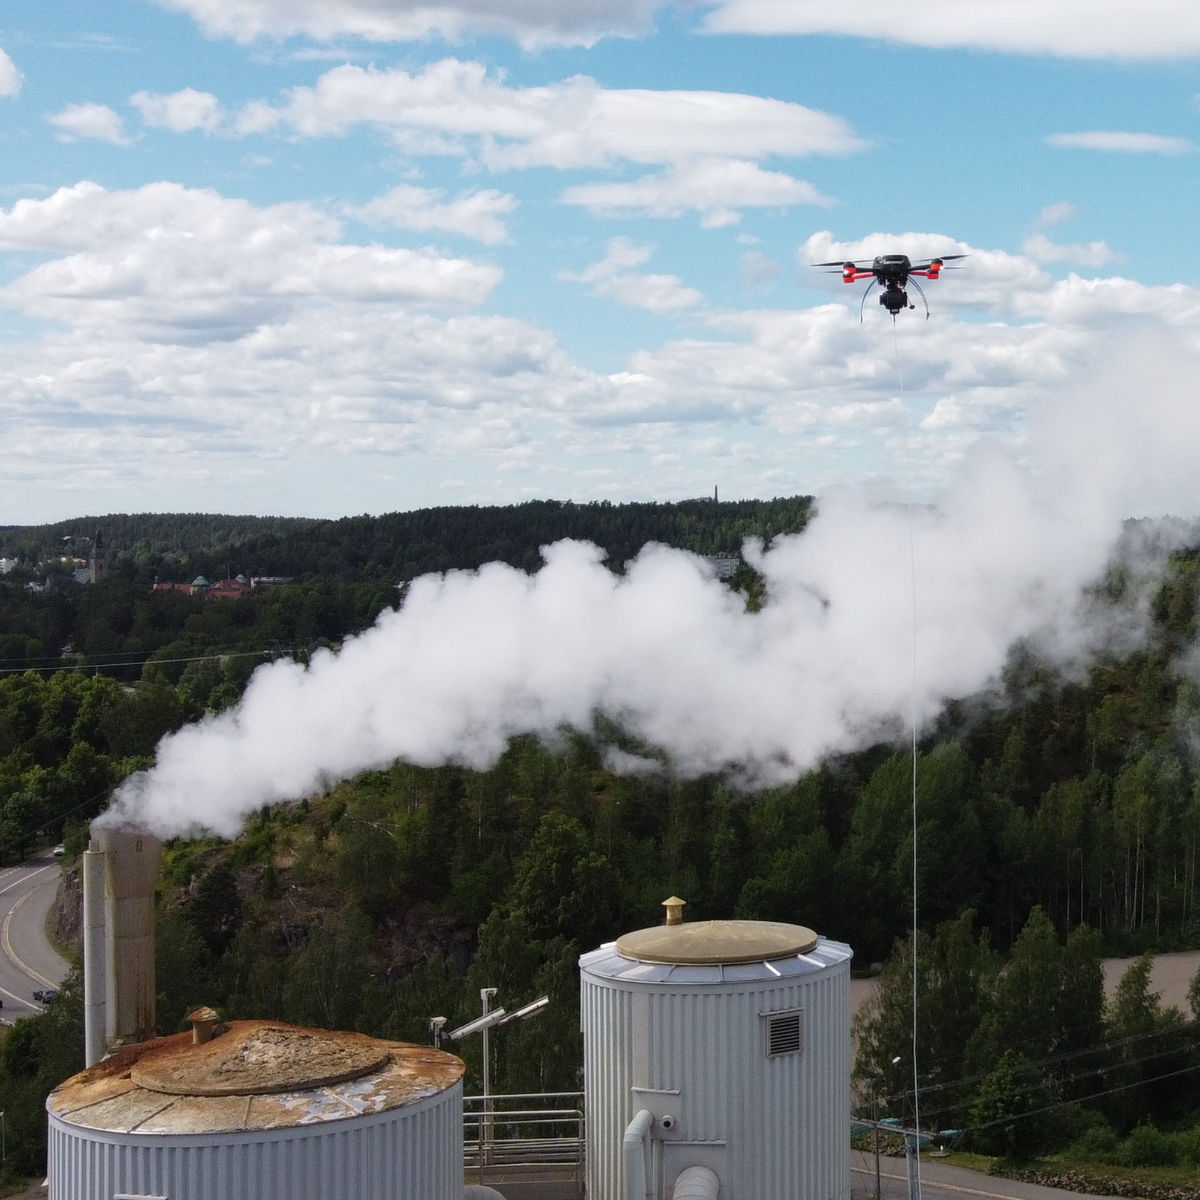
{"points": [[893, 273]]}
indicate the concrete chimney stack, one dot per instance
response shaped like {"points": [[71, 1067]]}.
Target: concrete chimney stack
{"points": [[119, 982]]}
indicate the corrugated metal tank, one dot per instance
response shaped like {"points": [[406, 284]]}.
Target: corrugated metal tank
{"points": [[735, 1035], [264, 1111]]}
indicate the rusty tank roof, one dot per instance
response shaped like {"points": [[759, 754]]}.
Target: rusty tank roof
{"points": [[253, 1075]]}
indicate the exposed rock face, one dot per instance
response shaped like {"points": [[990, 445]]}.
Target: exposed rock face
{"points": [[67, 914]]}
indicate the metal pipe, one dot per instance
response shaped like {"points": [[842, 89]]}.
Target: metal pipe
{"points": [[696, 1183], [94, 973], [636, 1183], [485, 1133]]}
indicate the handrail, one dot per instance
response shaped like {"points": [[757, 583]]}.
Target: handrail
{"points": [[528, 1133]]}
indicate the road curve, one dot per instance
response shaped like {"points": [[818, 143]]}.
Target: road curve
{"points": [[28, 961]]}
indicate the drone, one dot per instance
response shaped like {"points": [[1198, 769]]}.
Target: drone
{"points": [[893, 273]]}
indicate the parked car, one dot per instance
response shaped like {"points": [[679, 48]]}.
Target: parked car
{"points": [[45, 995]]}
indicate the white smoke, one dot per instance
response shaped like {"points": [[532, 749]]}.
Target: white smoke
{"points": [[875, 616]]}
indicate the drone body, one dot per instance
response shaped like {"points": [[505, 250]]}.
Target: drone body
{"points": [[893, 273]]}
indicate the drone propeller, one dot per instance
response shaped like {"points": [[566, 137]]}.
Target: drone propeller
{"points": [[940, 261]]}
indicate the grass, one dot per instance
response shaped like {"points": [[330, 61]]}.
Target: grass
{"points": [[1101, 1179]]}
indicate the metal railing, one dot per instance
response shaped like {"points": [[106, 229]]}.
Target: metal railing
{"points": [[531, 1144]]}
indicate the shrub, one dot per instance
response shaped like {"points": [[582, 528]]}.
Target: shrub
{"points": [[1148, 1146], [1095, 1141]]}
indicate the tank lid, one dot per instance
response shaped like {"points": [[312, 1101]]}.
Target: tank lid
{"points": [[717, 942], [241, 1081], [258, 1058]]}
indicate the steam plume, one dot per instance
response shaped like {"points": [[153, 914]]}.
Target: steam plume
{"points": [[875, 615]]}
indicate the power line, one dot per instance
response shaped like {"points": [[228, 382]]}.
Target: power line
{"points": [[1069, 1082], [1122, 1087], [84, 668]]}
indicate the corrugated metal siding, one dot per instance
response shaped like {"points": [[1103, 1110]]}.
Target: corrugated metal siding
{"points": [[607, 1020], [414, 1153], [783, 1121]]}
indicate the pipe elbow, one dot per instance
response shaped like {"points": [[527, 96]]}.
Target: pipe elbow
{"points": [[696, 1183], [636, 1184], [639, 1128]]}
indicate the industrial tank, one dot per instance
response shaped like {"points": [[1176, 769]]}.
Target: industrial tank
{"points": [[722, 1047], [264, 1110]]}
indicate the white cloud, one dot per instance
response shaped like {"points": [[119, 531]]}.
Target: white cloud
{"points": [[1122, 143], [1056, 214], [477, 215], [186, 264], [757, 270], [1150, 29], [266, 415], [716, 188], [90, 121], [10, 78], [1042, 250], [533, 23], [201, 344], [454, 107], [180, 112], [614, 277]]}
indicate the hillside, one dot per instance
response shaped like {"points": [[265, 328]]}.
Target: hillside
{"points": [[1052, 803], [397, 546]]}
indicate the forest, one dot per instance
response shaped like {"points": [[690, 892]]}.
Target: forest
{"points": [[1058, 820], [394, 547]]}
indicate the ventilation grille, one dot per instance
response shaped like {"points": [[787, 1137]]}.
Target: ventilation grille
{"points": [[785, 1033]]}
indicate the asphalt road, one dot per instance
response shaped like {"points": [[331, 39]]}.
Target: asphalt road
{"points": [[939, 1181], [27, 959]]}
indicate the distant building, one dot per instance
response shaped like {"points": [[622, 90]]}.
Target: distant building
{"points": [[229, 589], [223, 589], [725, 565], [97, 564]]}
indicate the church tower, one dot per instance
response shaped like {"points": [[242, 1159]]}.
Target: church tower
{"points": [[97, 559]]}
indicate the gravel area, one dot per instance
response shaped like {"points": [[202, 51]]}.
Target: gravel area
{"points": [[1170, 978]]}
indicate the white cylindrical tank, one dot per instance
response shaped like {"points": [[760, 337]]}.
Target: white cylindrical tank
{"points": [[735, 1037], [261, 1110]]}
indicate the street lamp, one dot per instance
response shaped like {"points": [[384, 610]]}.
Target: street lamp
{"points": [[491, 1018]]}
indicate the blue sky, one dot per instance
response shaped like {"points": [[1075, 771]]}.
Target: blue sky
{"points": [[344, 256]]}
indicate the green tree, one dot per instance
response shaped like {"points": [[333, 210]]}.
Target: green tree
{"points": [[955, 969], [327, 975], [562, 887], [1148, 1048], [184, 970], [367, 856], [1025, 1015], [1003, 1100]]}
